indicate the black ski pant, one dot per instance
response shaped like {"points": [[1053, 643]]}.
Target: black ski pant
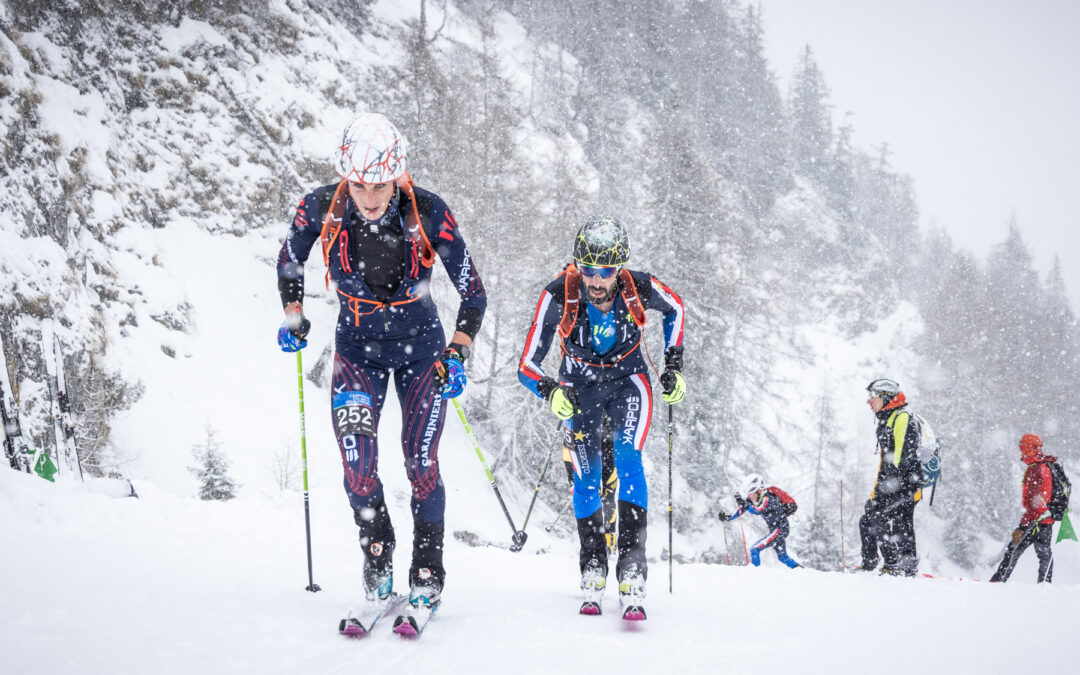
{"points": [[1041, 535], [890, 528]]}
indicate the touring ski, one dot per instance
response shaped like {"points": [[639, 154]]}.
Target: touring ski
{"points": [[590, 608], [16, 448], [633, 613], [63, 405], [359, 624], [412, 622]]}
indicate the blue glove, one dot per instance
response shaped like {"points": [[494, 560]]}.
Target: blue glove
{"points": [[449, 376], [290, 337]]}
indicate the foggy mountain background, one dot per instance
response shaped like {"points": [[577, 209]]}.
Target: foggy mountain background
{"points": [[800, 257]]}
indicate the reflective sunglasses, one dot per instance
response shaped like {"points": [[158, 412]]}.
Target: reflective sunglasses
{"points": [[593, 271]]}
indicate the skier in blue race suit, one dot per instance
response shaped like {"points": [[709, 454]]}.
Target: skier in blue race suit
{"points": [[379, 238], [596, 308], [775, 506]]}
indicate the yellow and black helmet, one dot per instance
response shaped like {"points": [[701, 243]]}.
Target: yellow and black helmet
{"points": [[602, 242]]}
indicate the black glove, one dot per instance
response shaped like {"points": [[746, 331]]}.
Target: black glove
{"points": [[302, 328], [724, 516], [740, 501]]}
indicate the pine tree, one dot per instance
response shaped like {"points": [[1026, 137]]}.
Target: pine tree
{"points": [[811, 126], [212, 470]]}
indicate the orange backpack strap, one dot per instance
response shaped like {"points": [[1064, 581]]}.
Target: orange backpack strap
{"points": [[630, 297], [331, 225], [571, 300], [413, 224]]}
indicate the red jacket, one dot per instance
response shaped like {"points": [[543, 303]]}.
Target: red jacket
{"points": [[1038, 488]]}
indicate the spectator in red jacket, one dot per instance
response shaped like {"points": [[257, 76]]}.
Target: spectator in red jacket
{"points": [[1036, 525]]}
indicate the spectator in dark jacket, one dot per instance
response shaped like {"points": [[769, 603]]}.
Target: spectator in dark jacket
{"points": [[888, 522]]}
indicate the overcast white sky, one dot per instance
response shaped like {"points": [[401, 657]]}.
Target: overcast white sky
{"points": [[979, 101]]}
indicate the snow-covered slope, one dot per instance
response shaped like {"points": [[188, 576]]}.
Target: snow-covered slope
{"points": [[167, 584]]}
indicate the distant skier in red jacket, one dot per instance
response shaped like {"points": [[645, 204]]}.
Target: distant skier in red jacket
{"points": [[1036, 525]]}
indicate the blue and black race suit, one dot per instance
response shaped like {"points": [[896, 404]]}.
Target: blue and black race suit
{"points": [[602, 359]]}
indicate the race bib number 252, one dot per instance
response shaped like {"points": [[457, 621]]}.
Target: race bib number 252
{"points": [[353, 414]]}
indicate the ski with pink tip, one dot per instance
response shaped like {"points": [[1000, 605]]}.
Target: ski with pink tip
{"points": [[359, 624]]}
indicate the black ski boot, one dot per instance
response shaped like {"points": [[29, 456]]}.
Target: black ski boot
{"points": [[632, 568], [426, 576], [592, 561], [377, 541]]}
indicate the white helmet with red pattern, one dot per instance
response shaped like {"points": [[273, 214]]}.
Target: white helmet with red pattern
{"points": [[372, 151]]}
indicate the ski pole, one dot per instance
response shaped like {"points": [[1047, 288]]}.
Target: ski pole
{"points": [[519, 535], [727, 555], [312, 586], [670, 531], [843, 557], [540, 481], [746, 549]]}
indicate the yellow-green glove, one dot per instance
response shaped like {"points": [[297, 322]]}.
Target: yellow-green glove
{"points": [[563, 402], [674, 386]]}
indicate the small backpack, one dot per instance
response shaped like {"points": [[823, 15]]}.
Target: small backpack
{"points": [[786, 500], [1059, 499], [929, 452]]}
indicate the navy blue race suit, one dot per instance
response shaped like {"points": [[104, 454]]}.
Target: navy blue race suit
{"points": [[387, 326], [614, 383]]}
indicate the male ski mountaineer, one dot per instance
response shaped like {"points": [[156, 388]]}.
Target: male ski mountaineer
{"points": [[603, 372], [888, 521], [1037, 522], [377, 232], [775, 506]]}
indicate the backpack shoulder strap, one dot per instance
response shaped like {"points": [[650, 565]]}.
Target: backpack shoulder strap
{"points": [[413, 224], [632, 298], [571, 299], [331, 226], [898, 422]]}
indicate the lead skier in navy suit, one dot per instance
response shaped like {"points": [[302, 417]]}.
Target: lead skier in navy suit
{"points": [[379, 239]]}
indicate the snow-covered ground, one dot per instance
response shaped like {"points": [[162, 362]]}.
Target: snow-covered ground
{"points": [[170, 584]]}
